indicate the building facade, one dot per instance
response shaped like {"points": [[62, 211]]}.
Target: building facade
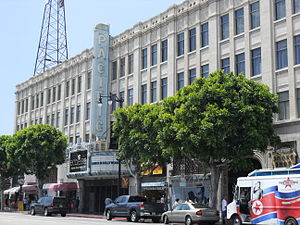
{"points": [[155, 58]]}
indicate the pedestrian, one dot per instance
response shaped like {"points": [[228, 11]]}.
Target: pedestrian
{"points": [[25, 203], [77, 201], [176, 202], [224, 209], [187, 200]]}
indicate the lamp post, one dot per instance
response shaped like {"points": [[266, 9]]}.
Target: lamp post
{"points": [[113, 98]]}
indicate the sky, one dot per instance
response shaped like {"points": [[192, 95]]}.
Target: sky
{"points": [[20, 25]]}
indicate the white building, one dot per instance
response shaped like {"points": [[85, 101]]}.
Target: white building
{"points": [[155, 58]]}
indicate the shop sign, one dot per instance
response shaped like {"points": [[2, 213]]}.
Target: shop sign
{"points": [[78, 161], [154, 184]]}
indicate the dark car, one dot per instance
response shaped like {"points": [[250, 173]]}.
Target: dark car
{"points": [[49, 205], [133, 208]]}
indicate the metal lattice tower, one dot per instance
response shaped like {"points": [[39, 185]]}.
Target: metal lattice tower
{"points": [[52, 48]]}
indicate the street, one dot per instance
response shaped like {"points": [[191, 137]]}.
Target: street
{"points": [[25, 219]]}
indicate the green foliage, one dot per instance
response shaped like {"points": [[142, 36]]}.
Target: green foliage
{"points": [[4, 143], [219, 120], [136, 128], [37, 149]]}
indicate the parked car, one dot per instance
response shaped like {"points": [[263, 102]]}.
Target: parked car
{"points": [[134, 208], [191, 213], [49, 205]]}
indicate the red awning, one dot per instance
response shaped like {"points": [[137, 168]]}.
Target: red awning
{"points": [[29, 187], [63, 187]]}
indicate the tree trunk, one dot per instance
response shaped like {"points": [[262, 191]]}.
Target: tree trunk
{"points": [[214, 181], [1, 193], [39, 188], [138, 184]]}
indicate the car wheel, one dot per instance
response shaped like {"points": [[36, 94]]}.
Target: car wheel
{"points": [[290, 221], [188, 220], [32, 211], [133, 216], [166, 219], [63, 214], [108, 215], [236, 220], [46, 213]]}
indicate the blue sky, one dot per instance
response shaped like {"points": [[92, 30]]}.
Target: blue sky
{"points": [[20, 24]]}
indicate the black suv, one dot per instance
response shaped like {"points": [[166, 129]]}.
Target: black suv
{"points": [[49, 205]]}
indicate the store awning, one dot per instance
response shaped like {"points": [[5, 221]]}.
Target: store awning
{"points": [[12, 190], [29, 187], [63, 187], [47, 185]]}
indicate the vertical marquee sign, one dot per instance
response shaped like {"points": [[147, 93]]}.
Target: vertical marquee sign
{"points": [[99, 114]]}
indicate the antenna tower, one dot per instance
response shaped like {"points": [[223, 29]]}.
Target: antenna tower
{"points": [[52, 48]]}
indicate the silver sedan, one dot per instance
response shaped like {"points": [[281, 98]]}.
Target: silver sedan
{"points": [[191, 213]]}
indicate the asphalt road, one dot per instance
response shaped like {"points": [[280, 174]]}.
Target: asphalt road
{"points": [[25, 219]]}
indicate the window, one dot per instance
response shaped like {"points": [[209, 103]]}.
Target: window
{"points": [[19, 108], [164, 50], [256, 61], [180, 80], [41, 120], [42, 98], [73, 87], [57, 119], [71, 139], [53, 94], [48, 119], [59, 92], [297, 49], [254, 15], [79, 81], [205, 71], [192, 75], [122, 67], [26, 105], [88, 111], [224, 26], [37, 101], [113, 103], [89, 80], [225, 65], [130, 97], [204, 35], [298, 102], [192, 40], [180, 44], [72, 115], [78, 113], [52, 119], [153, 55], [122, 96], [164, 88], [144, 94], [87, 137], [144, 58], [153, 91], [240, 63], [114, 70], [283, 104], [32, 104], [130, 64], [239, 21], [67, 88], [281, 54], [296, 6], [279, 9], [48, 96]]}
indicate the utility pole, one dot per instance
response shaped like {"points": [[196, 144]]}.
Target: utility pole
{"points": [[52, 48]]}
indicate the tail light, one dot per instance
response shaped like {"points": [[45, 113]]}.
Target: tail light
{"points": [[142, 206], [199, 213], [217, 213]]}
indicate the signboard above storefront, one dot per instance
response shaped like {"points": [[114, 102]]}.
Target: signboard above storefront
{"points": [[78, 161]]}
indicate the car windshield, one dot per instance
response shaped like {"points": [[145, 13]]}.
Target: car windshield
{"points": [[47, 201]]}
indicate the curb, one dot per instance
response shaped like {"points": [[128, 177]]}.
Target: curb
{"points": [[93, 216]]}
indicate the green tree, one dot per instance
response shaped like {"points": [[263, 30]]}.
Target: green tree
{"points": [[136, 128], [219, 121], [37, 150]]}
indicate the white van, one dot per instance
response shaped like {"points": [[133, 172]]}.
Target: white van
{"points": [[267, 197]]}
